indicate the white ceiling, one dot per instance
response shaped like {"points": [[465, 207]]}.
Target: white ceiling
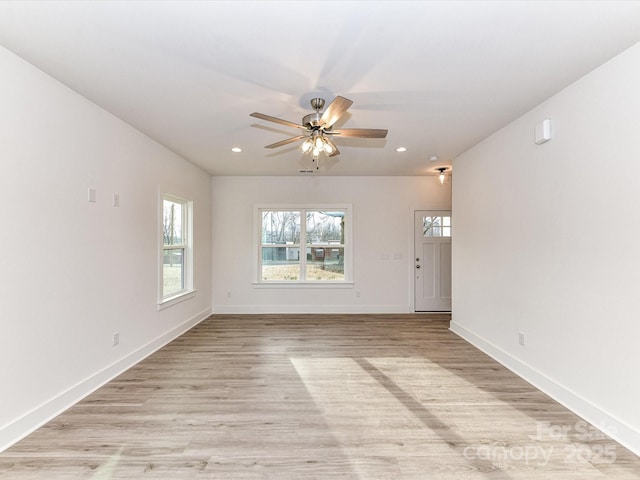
{"points": [[440, 76]]}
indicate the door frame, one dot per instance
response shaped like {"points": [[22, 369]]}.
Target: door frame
{"points": [[413, 247]]}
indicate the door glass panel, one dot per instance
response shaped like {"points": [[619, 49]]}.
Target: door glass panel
{"points": [[436, 226], [427, 223], [431, 226]]}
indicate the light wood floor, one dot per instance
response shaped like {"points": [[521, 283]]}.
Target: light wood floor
{"points": [[318, 397]]}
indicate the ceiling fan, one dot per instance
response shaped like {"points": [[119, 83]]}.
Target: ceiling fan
{"points": [[318, 128]]}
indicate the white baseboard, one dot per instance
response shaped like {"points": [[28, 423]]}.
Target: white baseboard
{"points": [[23, 426], [618, 430], [306, 309]]}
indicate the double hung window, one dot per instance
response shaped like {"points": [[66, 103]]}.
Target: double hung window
{"points": [[304, 245], [176, 276]]}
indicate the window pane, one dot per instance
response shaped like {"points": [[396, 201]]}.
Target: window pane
{"points": [[427, 224], [280, 227], [446, 231], [172, 271], [446, 221], [325, 263], [280, 263], [432, 226], [172, 223], [325, 227]]}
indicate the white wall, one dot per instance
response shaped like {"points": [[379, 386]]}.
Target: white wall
{"points": [[73, 272], [547, 244], [383, 225]]}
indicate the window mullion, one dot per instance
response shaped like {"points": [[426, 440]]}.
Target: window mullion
{"points": [[303, 245]]}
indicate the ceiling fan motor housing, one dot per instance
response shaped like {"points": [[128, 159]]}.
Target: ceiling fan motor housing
{"points": [[313, 119]]}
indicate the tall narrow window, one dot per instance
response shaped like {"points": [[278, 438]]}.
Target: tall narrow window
{"points": [[304, 245], [175, 271]]}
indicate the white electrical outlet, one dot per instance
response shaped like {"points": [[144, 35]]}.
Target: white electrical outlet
{"points": [[116, 339], [229, 294], [116, 200], [521, 338], [358, 294]]}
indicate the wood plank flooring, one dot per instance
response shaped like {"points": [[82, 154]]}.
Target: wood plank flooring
{"points": [[318, 397]]}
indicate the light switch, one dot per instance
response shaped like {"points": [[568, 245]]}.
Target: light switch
{"points": [[92, 195], [543, 131]]}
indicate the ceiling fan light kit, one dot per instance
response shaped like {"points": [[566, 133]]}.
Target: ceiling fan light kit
{"points": [[318, 127]]}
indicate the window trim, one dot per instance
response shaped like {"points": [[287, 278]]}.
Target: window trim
{"points": [[188, 291], [257, 281]]}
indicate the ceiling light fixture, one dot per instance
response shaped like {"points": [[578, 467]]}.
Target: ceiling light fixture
{"points": [[317, 143], [442, 176], [401, 149], [236, 149], [433, 158]]}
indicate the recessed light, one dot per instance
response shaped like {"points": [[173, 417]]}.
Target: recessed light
{"points": [[433, 158], [401, 149], [236, 149]]}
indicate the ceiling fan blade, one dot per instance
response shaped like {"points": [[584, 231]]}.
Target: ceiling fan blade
{"points": [[285, 142], [333, 145], [360, 132], [269, 118], [334, 111]]}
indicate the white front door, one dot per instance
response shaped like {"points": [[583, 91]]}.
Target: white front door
{"points": [[432, 261]]}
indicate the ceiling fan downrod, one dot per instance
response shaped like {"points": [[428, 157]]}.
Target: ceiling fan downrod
{"points": [[317, 103]]}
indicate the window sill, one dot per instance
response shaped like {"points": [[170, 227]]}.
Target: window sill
{"points": [[180, 297], [297, 285]]}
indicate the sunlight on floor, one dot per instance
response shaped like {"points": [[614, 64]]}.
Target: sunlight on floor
{"points": [[400, 410], [354, 392], [106, 470]]}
